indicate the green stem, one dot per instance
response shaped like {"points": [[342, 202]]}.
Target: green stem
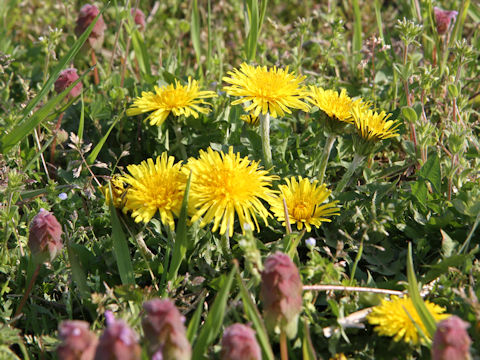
{"points": [[355, 264], [357, 160], [265, 135], [325, 156], [178, 135]]}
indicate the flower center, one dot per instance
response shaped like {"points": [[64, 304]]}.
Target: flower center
{"points": [[302, 210], [173, 98]]}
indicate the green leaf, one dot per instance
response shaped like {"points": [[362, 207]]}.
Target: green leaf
{"points": [[425, 316], [254, 316], [409, 114], [357, 32], [308, 350], [195, 31], [120, 249], [78, 274], [252, 37], [214, 321], [180, 247], [141, 53], [195, 321], [96, 150], [419, 190], [431, 171], [444, 266]]}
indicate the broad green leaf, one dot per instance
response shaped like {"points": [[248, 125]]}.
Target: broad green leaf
{"points": [[120, 249], [420, 191], [78, 273], [431, 171], [214, 321]]}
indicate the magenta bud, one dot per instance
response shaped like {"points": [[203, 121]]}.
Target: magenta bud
{"points": [[451, 340], [443, 18], [139, 18], [239, 343], [118, 341], [85, 17], [281, 293], [78, 342], [45, 237], [164, 329], [65, 79]]}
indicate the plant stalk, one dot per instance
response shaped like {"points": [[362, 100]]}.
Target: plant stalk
{"points": [[283, 346], [27, 291], [265, 135], [357, 160], [325, 156]]}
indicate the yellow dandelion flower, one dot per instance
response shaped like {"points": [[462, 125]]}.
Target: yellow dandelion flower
{"points": [[336, 106], [374, 126], [266, 90], [250, 119], [393, 318], [118, 191], [304, 200], [176, 99], [340, 356], [155, 186], [225, 184]]}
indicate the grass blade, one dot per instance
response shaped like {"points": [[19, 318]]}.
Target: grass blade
{"points": [[81, 123], [141, 53], [252, 36], [357, 32], [8, 141], [180, 247], [78, 274], [195, 31], [96, 150], [195, 321], [254, 316], [214, 320], [120, 249], [420, 307]]}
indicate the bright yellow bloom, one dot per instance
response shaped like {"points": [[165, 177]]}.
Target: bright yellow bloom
{"points": [[155, 186], [251, 119], [178, 99], [393, 318], [336, 106], [304, 200], [340, 356], [225, 184], [118, 190], [267, 90], [373, 126]]}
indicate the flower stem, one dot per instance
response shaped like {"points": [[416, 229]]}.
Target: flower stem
{"points": [[357, 160], [283, 346], [27, 291], [265, 135], [325, 156], [95, 70], [357, 260], [178, 135]]}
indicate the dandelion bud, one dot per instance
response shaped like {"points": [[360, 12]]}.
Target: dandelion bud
{"points": [[85, 17], [139, 18], [78, 342], [118, 341], [239, 343], [164, 329], [45, 238], [281, 293], [65, 79], [451, 340], [443, 18]]}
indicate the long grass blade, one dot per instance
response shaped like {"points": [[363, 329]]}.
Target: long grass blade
{"points": [[195, 31], [96, 150], [195, 321], [214, 320], [357, 32]]}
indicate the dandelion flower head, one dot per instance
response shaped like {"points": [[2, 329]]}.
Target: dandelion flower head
{"points": [[374, 126], [117, 187], [250, 119], [304, 203], [336, 106], [155, 186], [273, 90], [174, 98], [394, 318], [223, 185]]}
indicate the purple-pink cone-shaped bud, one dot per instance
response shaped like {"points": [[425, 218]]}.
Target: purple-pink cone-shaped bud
{"points": [[85, 17], [443, 18], [65, 79], [281, 293], [118, 341], [139, 18], [239, 343], [45, 237], [451, 340], [78, 342], [164, 329]]}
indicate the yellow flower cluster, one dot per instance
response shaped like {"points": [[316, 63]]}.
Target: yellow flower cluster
{"points": [[224, 186]]}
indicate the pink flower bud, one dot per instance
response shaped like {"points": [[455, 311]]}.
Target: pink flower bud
{"points": [[139, 18], [118, 341], [164, 329], [451, 340], [65, 79], [45, 238], [85, 17], [281, 293], [239, 343], [443, 18], [78, 342]]}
